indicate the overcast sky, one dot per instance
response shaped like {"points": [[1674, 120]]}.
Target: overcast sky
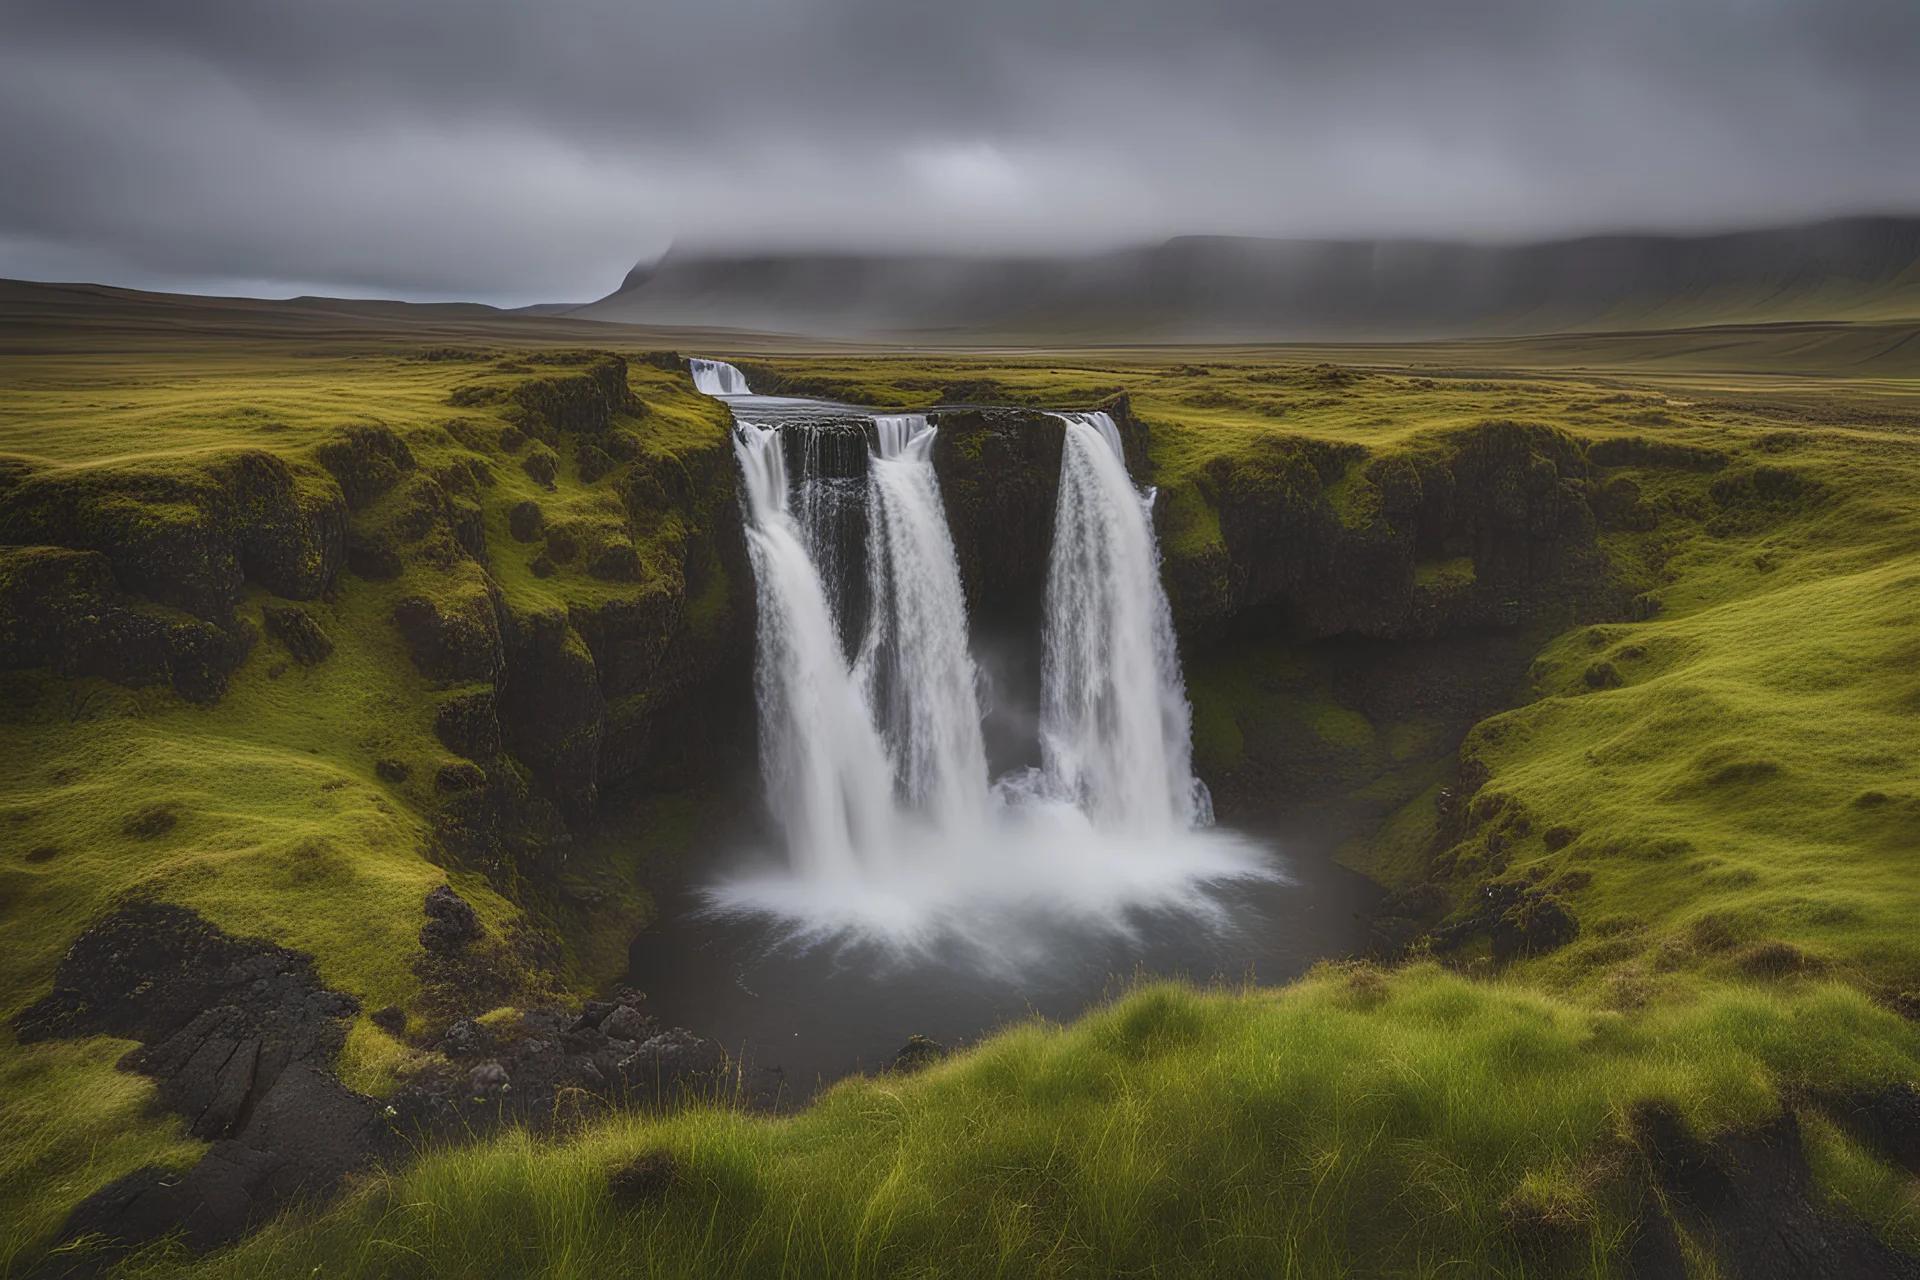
{"points": [[520, 152]]}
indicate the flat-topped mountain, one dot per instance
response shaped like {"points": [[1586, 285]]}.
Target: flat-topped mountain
{"points": [[1227, 288]]}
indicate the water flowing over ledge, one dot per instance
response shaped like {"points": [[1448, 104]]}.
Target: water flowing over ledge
{"points": [[870, 719], [717, 378]]}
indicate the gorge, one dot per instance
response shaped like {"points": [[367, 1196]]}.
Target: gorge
{"points": [[909, 865]]}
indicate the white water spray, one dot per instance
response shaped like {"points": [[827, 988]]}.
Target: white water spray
{"points": [[718, 378], [1115, 726]]}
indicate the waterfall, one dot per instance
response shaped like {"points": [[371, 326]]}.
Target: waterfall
{"points": [[919, 675], [870, 714], [718, 378], [826, 773], [1115, 727]]}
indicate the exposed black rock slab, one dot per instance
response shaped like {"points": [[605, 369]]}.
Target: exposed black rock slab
{"points": [[295, 628], [239, 1036], [1751, 1197]]}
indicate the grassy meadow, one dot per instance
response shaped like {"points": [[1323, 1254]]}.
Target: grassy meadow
{"points": [[1725, 792]]}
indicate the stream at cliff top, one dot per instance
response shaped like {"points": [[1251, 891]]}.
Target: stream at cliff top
{"points": [[921, 883]]}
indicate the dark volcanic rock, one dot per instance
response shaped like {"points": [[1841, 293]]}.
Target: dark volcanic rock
{"points": [[209, 1205], [671, 1062], [456, 640], [451, 921], [191, 534], [1403, 918], [61, 608], [615, 562], [541, 466], [457, 776], [1519, 919], [552, 710], [373, 556], [488, 1080], [525, 521], [1887, 1118], [1483, 527], [918, 1052], [551, 1065], [999, 472], [624, 1022], [239, 1035], [584, 402], [592, 462], [295, 628], [469, 725], [366, 461], [1751, 1196]]}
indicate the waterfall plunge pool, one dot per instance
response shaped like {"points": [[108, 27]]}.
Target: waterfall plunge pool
{"points": [[922, 882], [800, 1010]]}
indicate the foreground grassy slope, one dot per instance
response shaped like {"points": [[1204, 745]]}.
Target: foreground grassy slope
{"points": [[1354, 1124], [1722, 793]]}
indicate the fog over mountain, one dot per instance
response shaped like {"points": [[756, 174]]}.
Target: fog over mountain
{"points": [[1228, 288], [516, 153]]}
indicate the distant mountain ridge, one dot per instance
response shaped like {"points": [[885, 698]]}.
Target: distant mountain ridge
{"points": [[1222, 288]]}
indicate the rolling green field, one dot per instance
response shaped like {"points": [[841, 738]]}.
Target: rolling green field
{"points": [[1719, 781]]}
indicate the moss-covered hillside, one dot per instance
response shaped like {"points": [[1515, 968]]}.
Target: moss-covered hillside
{"points": [[290, 641]]}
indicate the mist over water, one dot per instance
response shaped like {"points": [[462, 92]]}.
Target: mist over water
{"points": [[897, 841]]}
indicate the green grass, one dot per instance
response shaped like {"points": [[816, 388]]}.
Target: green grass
{"points": [[1353, 1124]]}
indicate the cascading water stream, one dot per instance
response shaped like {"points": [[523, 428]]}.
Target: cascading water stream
{"points": [[1115, 726], [718, 378], [826, 773], [918, 673]]}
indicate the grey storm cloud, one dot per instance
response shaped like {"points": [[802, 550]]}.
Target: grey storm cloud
{"points": [[520, 152]]}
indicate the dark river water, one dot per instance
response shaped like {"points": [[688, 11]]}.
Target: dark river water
{"points": [[801, 1016]]}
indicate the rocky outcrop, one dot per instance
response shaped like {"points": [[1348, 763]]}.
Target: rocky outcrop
{"points": [[585, 401], [917, 1053], [295, 628], [552, 710], [547, 1064], [62, 608], [453, 638], [1517, 919], [999, 472], [1475, 527], [452, 922], [239, 1036], [1750, 1201], [191, 534], [365, 461]]}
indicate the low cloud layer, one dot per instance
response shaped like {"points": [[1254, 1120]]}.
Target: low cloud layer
{"points": [[521, 152]]}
